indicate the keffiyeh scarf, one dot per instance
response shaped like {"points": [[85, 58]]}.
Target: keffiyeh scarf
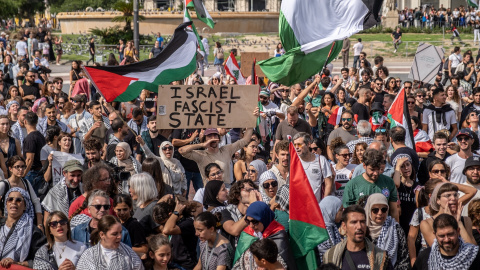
{"points": [[16, 243], [463, 260], [388, 239], [122, 258]]}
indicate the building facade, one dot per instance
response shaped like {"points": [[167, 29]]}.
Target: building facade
{"points": [[219, 5]]}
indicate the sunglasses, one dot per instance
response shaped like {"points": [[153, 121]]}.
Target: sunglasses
{"points": [[263, 97], [167, 148], [216, 173], [422, 96], [410, 102], [314, 148], [347, 119], [298, 144], [54, 224], [398, 81], [379, 84], [253, 221], [252, 171], [286, 91], [380, 130], [19, 167], [438, 171], [383, 209], [461, 139], [100, 206], [345, 155], [272, 184], [16, 199], [407, 87]]}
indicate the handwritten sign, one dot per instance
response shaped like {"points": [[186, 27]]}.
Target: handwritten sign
{"points": [[206, 106], [427, 63], [59, 160]]}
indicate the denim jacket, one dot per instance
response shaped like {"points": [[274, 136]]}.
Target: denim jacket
{"points": [[80, 233]]}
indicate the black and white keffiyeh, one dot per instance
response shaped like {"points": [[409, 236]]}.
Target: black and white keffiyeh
{"points": [[283, 197], [388, 239], [122, 258], [463, 260], [16, 244], [57, 198]]}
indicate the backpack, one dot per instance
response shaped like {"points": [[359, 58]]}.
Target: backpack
{"points": [[220, 53]]}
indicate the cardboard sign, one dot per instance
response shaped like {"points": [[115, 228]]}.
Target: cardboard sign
{"points": [[247, 58], [427, 63], [206, 106], [59, 160]]}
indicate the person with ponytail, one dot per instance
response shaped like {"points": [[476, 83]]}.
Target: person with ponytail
{"points": [[216, 252], [160, 254], [108, 252]]}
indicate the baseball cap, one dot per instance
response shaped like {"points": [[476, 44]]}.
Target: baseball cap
{"points": [[471, 161], [465, 132], [209, 131], [72, 165], [80, 98]]}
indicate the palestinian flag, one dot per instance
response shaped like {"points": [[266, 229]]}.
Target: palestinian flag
{"points": [[232, 69], [187, 18], [307, 228], [398, 115], [308, 31], [202, 13], [336, 117], [124, 83], [473, 3]]}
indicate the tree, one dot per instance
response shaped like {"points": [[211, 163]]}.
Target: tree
{"points": [[74, 5], [9, 8], [127, 9]]}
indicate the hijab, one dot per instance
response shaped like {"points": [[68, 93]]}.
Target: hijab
{"points": [[172, 163], [127, 162], [329, 207], [126, 148], [375, 228], [260, 167], [211, 191], [261, 212], [268, 175]]}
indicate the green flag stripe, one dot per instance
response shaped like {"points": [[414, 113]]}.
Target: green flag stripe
{"points": [[133, 91], [244, 242], [304, 237], [287, 36]]}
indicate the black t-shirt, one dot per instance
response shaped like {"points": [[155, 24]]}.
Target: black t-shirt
{"points": [[92, 47], [408, 151], [476, 235], [406, 195], [33, 143], [422, 260], [184, 246], [33, 89], [136, 231], [360, 261], [182, 134], [41, 36], [157, 141], [379, 96], [361, 110], [396, 35], [150, 102]]}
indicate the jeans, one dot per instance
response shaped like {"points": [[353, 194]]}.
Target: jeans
{"points": [[196, 178], [205, 59], [395, 44], [355, 60], [38, 183]]}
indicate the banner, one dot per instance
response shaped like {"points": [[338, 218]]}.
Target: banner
{"points": [[206, 106], [59, 159], [427, 63]]}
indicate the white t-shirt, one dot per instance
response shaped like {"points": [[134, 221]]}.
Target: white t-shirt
{"points": [[21, 48], [430, 118], [343, 176], [357, 49], [457, 164], [68, 250], [265, 123], [456, 59], [476, 196], [316, 174]]}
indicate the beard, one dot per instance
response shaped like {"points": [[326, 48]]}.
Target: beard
{"points": [[448, 245]]}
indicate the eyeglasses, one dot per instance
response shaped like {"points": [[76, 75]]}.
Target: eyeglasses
{"points": [[216, 173], [253, 221], [272, 184], [314, 148], [100, 206], [398, 80], [298, 144], [410, 102], [16, 199], [248, 189], [438, 171], [251, 171], [345, 155], [54, 224], [407, 87], [106, 179], [422, 96], [20, 167], [167, 148], [379, 84], [463, 138], [383, 209], [455, 195], [346, 119]]}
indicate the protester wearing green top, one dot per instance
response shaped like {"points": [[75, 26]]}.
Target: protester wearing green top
{"points": [[372, 181]]}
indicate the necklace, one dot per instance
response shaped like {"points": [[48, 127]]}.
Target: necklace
{"points": [[57, 245]]}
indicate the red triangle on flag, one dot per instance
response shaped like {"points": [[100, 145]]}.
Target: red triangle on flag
{"points": [[111, 85], [303, 203], [397, 107]]}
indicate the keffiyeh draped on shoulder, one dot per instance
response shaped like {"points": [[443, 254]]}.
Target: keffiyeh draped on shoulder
{"points": [[123, 258]]}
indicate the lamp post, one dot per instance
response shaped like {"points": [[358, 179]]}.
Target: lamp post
{"points": [[136, 38]]}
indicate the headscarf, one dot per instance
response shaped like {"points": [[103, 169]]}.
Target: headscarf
{"points": [[34, 66], [128, 162], [433, 199], [385, 233], [126, 147], [375, 228], [38, 103], [18, 244], [330, 206], [268, 175], [211, 191], [172, 163], [260, 167], [9, 104], [261, 212]]}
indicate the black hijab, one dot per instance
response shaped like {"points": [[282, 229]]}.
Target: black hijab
{"points": [[211, 191]]}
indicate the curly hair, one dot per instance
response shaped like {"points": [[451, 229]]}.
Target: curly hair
{"points": [[235, 190], [355, 158], [474, 212]]}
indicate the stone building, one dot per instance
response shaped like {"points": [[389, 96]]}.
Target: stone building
{"points": [[401, 4], [220, 5]]}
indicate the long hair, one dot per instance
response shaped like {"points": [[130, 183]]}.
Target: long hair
{"points": [[154, 243], [152, 167], [144, 186], [48, 234], [65, 135], [456, 96], [104, 225], [355, 158]]}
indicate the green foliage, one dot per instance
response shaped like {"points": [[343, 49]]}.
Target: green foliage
{"points": [[113, 34], [74, 5], [27, 8], [127, 17], [9, 8]]}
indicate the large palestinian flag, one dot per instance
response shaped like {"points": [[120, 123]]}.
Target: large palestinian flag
{"points": [[124, 83], [309, 30], [202, 13], [398, 115], [307, 228]]}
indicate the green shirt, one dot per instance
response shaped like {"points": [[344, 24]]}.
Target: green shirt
{"points": [[315, 101], [359, 187]]}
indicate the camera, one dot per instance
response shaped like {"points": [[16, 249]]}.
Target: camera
{"points": [[119, 174]]}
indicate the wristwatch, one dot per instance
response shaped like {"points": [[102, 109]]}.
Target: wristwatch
{"points": [[176, 213]]}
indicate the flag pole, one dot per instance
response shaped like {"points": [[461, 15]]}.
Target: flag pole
{"points": [[324, 65]]}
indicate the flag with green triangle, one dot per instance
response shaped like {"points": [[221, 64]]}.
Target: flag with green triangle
{"points": [[202, 13]]}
